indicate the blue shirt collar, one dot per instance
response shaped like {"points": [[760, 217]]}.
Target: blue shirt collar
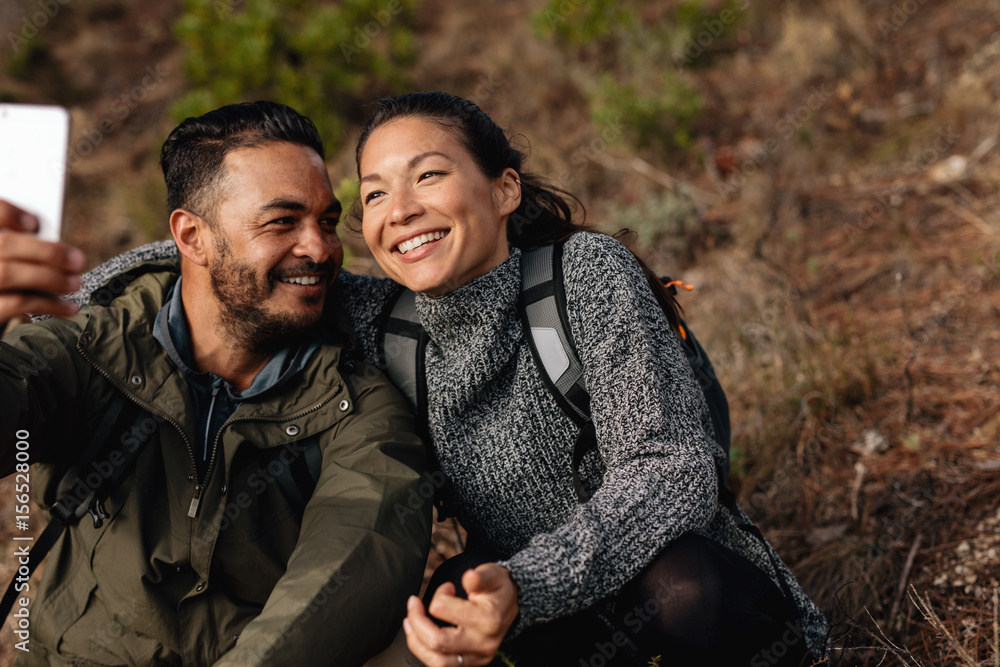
{"points": [[172, 332]]}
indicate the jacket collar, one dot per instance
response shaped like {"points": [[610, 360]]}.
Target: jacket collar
{"points": [[118, 340], [171, 330]]}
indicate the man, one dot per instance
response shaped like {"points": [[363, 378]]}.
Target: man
{"points": [[255, 467]]}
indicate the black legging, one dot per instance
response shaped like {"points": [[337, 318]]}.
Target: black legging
{"points": [[697, 603]]}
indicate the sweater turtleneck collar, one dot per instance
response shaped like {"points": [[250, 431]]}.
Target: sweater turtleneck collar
{"points": [[477, 314]]}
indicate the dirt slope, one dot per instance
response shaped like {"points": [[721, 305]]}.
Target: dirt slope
{"points": [[837, 213]]}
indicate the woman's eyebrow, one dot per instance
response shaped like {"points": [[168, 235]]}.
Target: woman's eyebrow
{"points": [[414, 161]]}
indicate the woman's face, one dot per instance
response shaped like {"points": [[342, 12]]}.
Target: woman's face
{"points": [[433, 221]]}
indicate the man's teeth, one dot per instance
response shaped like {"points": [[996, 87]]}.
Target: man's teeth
{"points": [[417, 241], [303, 280]]}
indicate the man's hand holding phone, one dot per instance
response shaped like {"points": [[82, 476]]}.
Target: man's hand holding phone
{"points": [[34, 267], [33, 273]]}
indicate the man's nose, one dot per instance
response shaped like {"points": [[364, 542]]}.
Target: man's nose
{"points": [[315, 243]]}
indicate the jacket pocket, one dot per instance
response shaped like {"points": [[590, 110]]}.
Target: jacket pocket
{"points": [[64, 608]]}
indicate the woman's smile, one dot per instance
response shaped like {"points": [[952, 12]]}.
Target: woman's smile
{"points": [[432, 219], [420, 241]]}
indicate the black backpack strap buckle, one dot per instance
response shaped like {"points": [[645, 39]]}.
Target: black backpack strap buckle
{"points": [[98, 512], [69, 507], [62, 512]]}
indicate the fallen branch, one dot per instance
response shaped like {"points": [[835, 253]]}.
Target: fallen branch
{"points": [[904, 578], [882, 641], [640, 166], [970, 217]]}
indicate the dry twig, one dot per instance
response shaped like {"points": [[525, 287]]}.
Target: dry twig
{"points": [[882, 641], [900, 652], [924, 605], [970, 217], [640, 166], [859, 476], [904, 578], [913, 354], [996, 631]]}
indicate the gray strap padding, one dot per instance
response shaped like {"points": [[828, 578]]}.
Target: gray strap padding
{"points": [[543, 305], [400, 346], [551, 351]]}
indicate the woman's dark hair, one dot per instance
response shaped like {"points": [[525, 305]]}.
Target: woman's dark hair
{"points": [[545, 214], [192, 155]]}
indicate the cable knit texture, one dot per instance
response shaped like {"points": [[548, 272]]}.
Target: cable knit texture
{"points": [[506, 447]]}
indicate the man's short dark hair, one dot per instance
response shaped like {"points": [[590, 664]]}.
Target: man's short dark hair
{"points": [[193, 153]]}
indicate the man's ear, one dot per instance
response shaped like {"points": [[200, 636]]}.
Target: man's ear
{"points": [[191, 233], [507, 191]]}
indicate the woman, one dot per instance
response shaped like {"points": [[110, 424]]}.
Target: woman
{"points": [[652, 564]]}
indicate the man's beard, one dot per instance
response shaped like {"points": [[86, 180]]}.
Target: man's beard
{"points": [[241, 294]]}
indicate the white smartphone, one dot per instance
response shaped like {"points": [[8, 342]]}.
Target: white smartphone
{"points": [[34, 147]]}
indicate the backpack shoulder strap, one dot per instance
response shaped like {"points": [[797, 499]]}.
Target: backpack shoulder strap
{"points": [[297, 480], [401, 347], [542, 306], [708, 381], [542, 310], [76, 495]]}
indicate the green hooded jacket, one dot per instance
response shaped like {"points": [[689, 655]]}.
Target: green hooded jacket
{"points": [[250, 579]]}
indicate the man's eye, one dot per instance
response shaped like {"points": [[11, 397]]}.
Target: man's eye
{"points": [[283, 221], [330, 222]]}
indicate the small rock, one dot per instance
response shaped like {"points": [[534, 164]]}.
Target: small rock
{"points": [[870, 442], [949, 170]]}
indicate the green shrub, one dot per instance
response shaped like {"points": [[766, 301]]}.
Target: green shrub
{"points": [[636, 53], [578, 22], [659, 114], [698, 27], [326, 60], [669, 230]]}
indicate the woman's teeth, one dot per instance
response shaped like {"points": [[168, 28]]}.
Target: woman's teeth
{"points": [[417, 241]]}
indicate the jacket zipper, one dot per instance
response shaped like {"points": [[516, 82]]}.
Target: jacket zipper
{"points": [[148, 408], [200, 485], [193, 510]]}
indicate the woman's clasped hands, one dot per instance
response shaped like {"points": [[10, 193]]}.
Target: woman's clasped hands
{"points": [[480, 622]]}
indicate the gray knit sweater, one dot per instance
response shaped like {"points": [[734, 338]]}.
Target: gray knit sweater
{"points": [[506, 447]]}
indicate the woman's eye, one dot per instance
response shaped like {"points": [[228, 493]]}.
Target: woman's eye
{"points": [[372, 196], [428, 174]]}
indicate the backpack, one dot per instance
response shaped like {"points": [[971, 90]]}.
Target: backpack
{"points": [[542, 309]]}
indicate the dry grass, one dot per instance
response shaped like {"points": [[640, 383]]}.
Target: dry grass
{"points": [[865, 406]]}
